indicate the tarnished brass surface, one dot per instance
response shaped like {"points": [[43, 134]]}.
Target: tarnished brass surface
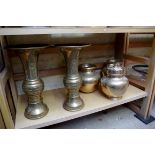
{"points": [[90, 78], [72, 80], [32, 85], [114, 84]]}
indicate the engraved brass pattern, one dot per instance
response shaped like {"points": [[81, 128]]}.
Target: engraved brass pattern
{"points": [[72, 80], [32, 85]]}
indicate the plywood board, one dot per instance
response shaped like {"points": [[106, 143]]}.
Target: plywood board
{"points": [[72, 29], [94, 102]]}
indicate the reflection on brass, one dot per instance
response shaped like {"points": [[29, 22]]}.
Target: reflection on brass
{"points": [[72, 81], [32, 86], [89, 77], [114, 83]]}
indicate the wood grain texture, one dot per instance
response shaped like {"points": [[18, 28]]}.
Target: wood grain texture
{"points": [[72, 29], [137, 83], [137, 59], [4, 105], [133, 107], [95, 47], [145, 112], [51, 72], [139, 44], [91, 49], [80, 38], [10, 100], [120, 45], [2, 125]]}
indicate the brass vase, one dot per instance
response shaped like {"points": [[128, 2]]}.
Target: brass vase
{"points": [[90, 78], [72, 80], [32, 85]]}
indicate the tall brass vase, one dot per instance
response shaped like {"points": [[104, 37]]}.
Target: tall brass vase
{"points": [[72, 80], [32, 85]]}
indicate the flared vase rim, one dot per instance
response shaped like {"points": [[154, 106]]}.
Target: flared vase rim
{"points": [[28, 46]]}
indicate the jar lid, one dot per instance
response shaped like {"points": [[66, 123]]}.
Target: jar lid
{"points": [[87, 67], [114, 68]]}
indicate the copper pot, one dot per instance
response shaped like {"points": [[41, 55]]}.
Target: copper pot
{"points": [[89, 77]]}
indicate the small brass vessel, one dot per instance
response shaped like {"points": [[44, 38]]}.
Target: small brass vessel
{"points": [[113, 83], [72, 80], [90, 78], [32, 85]]}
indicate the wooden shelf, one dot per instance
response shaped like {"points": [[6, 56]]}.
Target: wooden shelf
{"points": [[137, 82], [74, 29], [94, 102], [139, 59]]}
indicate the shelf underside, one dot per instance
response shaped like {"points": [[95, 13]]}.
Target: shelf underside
{"points": [[73, 29], [94, 102]]}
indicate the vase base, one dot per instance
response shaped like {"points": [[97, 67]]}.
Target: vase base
{"points": [[73, 105], [36, 111]]}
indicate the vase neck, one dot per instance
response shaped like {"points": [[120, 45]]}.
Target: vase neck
{"points": [[29, 59], [72, 61]]}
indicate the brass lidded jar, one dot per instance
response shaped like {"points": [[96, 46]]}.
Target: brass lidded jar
{"points": [[90, 78], [113, 82]]}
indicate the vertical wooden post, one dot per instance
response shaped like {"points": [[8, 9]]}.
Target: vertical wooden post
{"points": [[2, 125], [4, 105], [146, 108], [8, 65], [152, 100], [5, 78], [120, 45]]}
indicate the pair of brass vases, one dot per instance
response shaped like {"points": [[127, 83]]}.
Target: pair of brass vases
{"points": [[33, 86]]}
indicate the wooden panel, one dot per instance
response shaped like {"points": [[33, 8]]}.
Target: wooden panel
{"points": [[1, 60], [95, 47], [94, 102], [58, 68], [152, 100], [62, 39], [144, 52], [137, 83], [126, 47], [133, 107], [50, 72], [52, 62], [49, 65], [130, 59], [149, 83], [120, 45], [10, 100], [134, 77], [137, 59], [139, 44], [139, 37], [4, 106], [2, 125], [72, 29], [43, 73], [90, 49]]}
